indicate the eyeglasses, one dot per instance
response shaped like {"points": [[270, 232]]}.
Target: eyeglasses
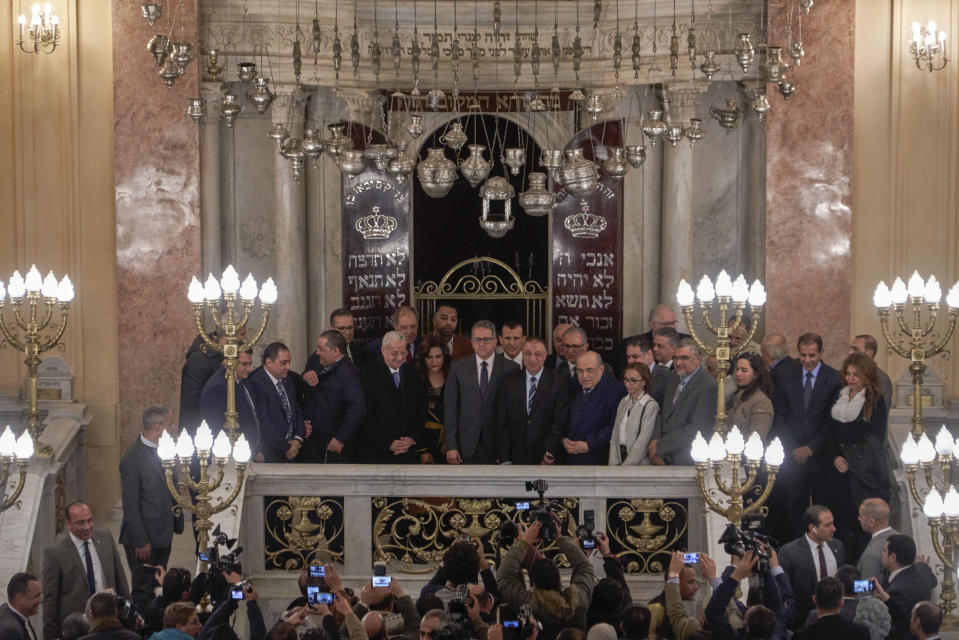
{"points": [[575, 346], [632, 380], [682, 358], [483, 340]]}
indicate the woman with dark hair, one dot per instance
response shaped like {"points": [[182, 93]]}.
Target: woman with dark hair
{"points": [[635, 419], [752, 409], [855, 446], [433, 365]]}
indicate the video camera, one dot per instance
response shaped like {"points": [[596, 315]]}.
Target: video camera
{"points": [[738, 542], [460, 602], [519, 627], [220, 562], [128, 616], [544, 511]]}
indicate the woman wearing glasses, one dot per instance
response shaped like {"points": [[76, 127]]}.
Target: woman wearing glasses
{"points": [[635, 419]]}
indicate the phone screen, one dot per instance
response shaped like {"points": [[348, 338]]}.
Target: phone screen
{"points": [[204, 557], [325, 598], [522, 506], [317, 571], [862, 586], [589, 543], [691, 558], [382, 581], [236, 594], [311, 594]]}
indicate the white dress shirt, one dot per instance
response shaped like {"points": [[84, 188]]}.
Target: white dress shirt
{"points": [[94, 556], [827, 551]]}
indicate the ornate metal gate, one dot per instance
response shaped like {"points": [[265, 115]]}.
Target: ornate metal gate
{"points": [[485, 279]]}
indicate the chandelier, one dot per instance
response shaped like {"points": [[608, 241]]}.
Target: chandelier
{"points": [[43, 33], [927, 47]]}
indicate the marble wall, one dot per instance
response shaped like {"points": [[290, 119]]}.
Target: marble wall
{"points": [[156, 175], [808, 185]]}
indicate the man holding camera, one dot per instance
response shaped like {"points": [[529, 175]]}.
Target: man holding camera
{"points": [[555, 607], [104, 619]]}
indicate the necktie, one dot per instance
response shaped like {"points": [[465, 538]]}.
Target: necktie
{"points": [[349, 353], [409, 353], [532, 394], [822, 563], [33, 634], [572, 370], [679, 389], [807, 391], [396, 379], [249, 402], [484, 378], [88, 559], [285, 402]]}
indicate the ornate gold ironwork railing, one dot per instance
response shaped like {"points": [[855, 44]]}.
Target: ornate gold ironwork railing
{"points": [[302, 530], [484, 279], [644, 531]]}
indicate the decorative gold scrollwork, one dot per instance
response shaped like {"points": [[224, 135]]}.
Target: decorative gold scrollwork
{"points": [[301, 530], [643, 531], [412, 534]]}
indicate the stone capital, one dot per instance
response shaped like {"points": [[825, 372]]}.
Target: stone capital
{"points": [[684, 98]]}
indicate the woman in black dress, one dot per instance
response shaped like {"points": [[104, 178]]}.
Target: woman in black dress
{"points": [[433, 365]]}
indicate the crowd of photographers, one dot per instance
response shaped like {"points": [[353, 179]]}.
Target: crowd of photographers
{"points": [[526, 598]]}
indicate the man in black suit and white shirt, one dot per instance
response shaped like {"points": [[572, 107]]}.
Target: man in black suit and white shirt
{"points": [[801, 404], [342, 321], [874, 520], [81, 563], [23, 600], [148, 525], [910, 581], [830, 623], [469, 413], [810, 558], [531, 410]]}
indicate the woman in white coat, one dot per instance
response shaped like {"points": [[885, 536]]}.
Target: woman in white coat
{"points": [[635, 419]]}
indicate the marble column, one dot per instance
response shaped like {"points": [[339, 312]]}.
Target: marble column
{"points": [[210, 216], [677, 220], [289, 322], [753, 263]]}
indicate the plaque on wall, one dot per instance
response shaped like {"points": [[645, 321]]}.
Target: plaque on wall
{"points": [[376, 244]]}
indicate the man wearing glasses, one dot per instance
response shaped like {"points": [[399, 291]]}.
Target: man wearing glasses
{"points": [[470, 404], [342, 321]]}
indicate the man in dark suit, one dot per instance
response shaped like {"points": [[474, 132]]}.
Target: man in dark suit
{"points": [[801, 406], [202, 361], [660, 317], [874, 520], [275, 395], [690, 406], [469, 414], [23, 600], [592, 410], [333, 401], [342, 320], [395, 406], [775, 352], [639, 349], [213, 401], [811, 558], [830, 625], [148, 525], [531, 410], [558, 357], [83, 562], [910, 581], [445, 322], [405, 321]]}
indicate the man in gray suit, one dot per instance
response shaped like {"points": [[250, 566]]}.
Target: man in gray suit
{"points": [[83, 562], [23, 601], [146, 532], [874, 520], [469, 415], [690, 407]]}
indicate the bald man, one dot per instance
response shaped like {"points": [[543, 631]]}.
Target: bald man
{"points": [[775, 352], [558, 357], [874, 520], [592, 410]]}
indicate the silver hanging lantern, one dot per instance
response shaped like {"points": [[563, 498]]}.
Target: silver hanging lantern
{"points": [[415, 127], [674, 133], [229, 108], [745, 54], [475, 168], [436, 172], [402, 164], [194, 109], [635, 155], [786, 88], [169, 72], [760, 104], [152, 11], [159, 48], [694, 131], [594, 106], [246, 71], [182, 56], [213, 67], [278, 133], [380, 155], [260, 95], [615, 165], [653, 126], [515, 158], [537, 200], [796, 52], [727, 118], [293, 152], [455, 137], [336, 142], [580, 176], [352, 162], [312, 145], [805, 5], [774, 70], [551, 160], [710, 67], [497, 188]]}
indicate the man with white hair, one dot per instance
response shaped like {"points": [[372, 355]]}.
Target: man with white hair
{"points": [[395, 406]]}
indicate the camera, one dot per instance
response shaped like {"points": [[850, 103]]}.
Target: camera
{"points": [[127, 614], [461, 601], [219, 562], [380, 579], [863, 587], [587, 541], [518, 626], [315, 596], [544, 511], [237, 594], [738, 542], [317, 571]]}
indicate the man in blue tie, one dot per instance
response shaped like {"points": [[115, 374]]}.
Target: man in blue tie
{"points": [[276, 397]]}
